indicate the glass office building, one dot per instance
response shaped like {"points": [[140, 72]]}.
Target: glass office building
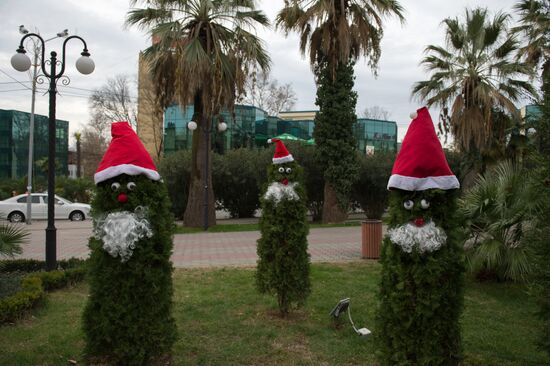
{"points": [[249, 126], [14, 144]]}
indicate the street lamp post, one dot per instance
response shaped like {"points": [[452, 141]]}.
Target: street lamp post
{"points": [[206, 129], [35, 65], [21, 62]]}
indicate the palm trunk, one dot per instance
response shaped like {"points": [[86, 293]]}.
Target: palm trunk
{"points": [[200, 210], [332, 211]]}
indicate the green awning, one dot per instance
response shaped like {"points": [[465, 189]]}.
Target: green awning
{"points": [[288, 137]]}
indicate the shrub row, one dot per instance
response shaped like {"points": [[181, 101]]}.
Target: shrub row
{"points": [[238, 176], [35, 284], [33, 265]]}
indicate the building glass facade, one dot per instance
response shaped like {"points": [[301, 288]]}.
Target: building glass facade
{"points": [[14, 144], [249, 126]]}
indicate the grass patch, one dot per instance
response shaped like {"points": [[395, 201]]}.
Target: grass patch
{"points": [[222, 320], [226, 228]]}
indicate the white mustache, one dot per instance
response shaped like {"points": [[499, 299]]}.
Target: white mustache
{"points": [[426, 238], [119, 232]]}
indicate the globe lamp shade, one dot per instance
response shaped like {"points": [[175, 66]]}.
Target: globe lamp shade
{"points": [[222, 127], [192, 125], [20, 61], [85, 65]]}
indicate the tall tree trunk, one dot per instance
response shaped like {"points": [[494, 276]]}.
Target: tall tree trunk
{"points": [[332, 212], [201, 193]]}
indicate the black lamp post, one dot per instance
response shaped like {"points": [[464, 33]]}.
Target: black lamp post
{"points": [[206, 128], [21, 62]]}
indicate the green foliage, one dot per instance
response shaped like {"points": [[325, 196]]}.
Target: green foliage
{"points": [[370, 191], [33, 265], [539, 233], [333, 131], [421, 295], [11, 238], [283, 265], [76, 190], [175, 170], [237, 177], [8, 186], [10, 283], [496, 213], [32, 286], [128, 320], [13, 307], [313, 176]]}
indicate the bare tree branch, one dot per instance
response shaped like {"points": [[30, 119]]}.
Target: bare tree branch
{"points": [[376, 112], [265, 93]]}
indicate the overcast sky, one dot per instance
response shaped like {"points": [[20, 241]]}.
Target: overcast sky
{"points": [[115, 50]]}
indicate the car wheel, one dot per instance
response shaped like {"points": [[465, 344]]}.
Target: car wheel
{"points": [[76, 216], [16, 216]]}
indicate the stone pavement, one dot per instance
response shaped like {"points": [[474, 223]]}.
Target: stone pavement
{"points": [[335, 244]]}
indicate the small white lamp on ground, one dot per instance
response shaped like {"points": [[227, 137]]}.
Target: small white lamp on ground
{"points": [[344, 305]]}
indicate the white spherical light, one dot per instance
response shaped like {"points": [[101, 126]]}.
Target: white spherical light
{"points": [[222, 126], [20, 61], [413, 115], [85, 65], [192, 125]]}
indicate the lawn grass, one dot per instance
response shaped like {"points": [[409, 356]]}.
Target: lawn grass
{"points": [[222, 320], [225, 228]]}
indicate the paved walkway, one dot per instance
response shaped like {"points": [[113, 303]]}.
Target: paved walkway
{"points": [[339, 244]]}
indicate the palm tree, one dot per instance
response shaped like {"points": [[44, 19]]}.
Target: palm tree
{"points": [[335, 33], [204, 51], [535, 27], [475, 75], [11, 238], [499, 212]]}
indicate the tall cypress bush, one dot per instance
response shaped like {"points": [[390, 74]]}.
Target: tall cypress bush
{"points": [[333, 132], [127, 320], [421, 292], [283, 265]]}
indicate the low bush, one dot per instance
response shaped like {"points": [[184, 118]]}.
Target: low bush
{"points": [[76, 190], [369, 191], [34, 265], [237, 177], [175, 169], [30, 288], [15, 306]]}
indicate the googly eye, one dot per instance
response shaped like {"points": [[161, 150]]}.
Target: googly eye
{"points": [[288, 170], [425, 204], [408, 204], [281, 170], [115, 186], [131, 186]]}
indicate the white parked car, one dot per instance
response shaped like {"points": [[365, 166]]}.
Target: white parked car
{"points": [[15, 208]]}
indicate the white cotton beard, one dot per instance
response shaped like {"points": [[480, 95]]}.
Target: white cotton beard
{"points": [[427, 238], [120, 231], [278, 192]]}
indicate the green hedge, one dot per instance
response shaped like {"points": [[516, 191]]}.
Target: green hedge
{"points": [[33, 265], [35, 284]]}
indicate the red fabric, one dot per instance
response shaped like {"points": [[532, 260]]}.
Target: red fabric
{"points": [[125, 148], [280, 149], [421, 154]]}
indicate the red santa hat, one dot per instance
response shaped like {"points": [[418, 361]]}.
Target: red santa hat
{"points": [[281, 153], [125, 155], [421, 163]]}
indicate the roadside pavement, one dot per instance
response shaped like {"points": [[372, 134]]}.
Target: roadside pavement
{"points": [[334, 244]]}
